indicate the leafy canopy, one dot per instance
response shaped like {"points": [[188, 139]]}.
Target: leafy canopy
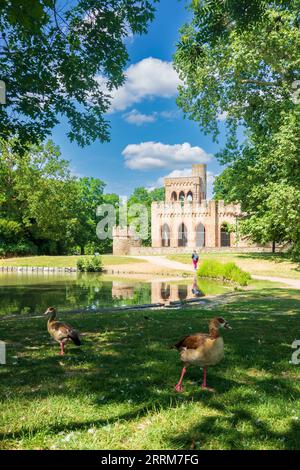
{"points": [[241, 59], [43, 208], [56, 56]]}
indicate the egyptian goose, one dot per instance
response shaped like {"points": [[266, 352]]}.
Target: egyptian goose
{"points": [[202, 349], [61, 332]]}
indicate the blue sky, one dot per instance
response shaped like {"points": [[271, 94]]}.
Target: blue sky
{"points": [[150, 139]]}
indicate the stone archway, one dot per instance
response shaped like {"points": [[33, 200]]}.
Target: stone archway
{"points": [[225, 235], [181, 196], [182, 292], [165, 236], [174, 196], [200, 236], [189, 197], [182, 235], [165, 291]]}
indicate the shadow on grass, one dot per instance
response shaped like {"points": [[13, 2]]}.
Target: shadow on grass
{"points": [[126, 359], [242, 426]]}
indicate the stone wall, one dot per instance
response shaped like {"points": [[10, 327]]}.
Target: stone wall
{"points": [[210, 214], [123, 240], [149, 251]]}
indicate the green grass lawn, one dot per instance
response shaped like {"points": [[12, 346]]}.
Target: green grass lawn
{"points": [[64, 261], [263, 264], [116, 391]]}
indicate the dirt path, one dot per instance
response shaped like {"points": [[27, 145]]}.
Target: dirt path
{"points": [[152, 267], [164, 263], [294, 283]]}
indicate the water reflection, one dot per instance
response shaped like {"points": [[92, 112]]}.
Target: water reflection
{"points": [[22, 293], [196, 290], [162, 292]]}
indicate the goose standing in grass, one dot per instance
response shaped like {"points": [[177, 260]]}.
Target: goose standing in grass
{"points": [[202, 349], [61, 332]]}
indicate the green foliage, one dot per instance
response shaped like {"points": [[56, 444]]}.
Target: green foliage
{"points": [[233, 59], [56, 57], [43, 209], [17, 248], [213, 269], [90, 264], [46, 211], [143, 196]]}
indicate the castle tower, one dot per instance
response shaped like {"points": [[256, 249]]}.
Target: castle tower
{"points": [[200, 171], [187, 188], [123, 239]]}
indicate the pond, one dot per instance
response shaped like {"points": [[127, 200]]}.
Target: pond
{"points": [[22, 293]]}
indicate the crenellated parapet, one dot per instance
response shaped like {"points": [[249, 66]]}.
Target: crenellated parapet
{"points": [[203, 209], [233, 210]]}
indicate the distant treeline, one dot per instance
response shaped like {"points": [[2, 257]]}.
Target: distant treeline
{"points": [[45, 210]]}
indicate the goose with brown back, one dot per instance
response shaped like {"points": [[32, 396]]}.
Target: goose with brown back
{"points": [[202, 350], [61, 332]]}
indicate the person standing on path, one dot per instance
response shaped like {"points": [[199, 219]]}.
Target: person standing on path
{"points": [[195, 259]]}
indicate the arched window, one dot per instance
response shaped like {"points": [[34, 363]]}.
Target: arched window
{"points": [[165, 236], [190, 196], [174, 196], [200, 235], [182, 236], [182, 197], [225, 235]]}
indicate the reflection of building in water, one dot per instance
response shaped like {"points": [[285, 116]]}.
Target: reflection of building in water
{"points": [[122, 291], [162, 292]]}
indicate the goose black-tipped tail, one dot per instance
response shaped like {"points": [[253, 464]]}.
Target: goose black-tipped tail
{"points": [[75, 338]]}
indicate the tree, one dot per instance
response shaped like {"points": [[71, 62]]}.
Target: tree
{"points": [[143, 196], [36, 200], [43, 209], [241, 59], [63, 59], [90, 195]]}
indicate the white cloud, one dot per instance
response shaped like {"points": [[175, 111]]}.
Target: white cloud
{"points": [[170, 115], [174, 174], [137, 118], [155, 155], [146, 79]]}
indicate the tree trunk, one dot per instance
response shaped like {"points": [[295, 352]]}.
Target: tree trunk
{"points": [[274, 247]]}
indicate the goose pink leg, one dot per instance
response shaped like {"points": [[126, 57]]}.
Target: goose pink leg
{"points": [[204, 385], [178, 387], [62, 349]]}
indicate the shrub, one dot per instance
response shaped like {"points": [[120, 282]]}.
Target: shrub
{"points": [[224, 271], [21, 248], [90, 248], [90, 264]]}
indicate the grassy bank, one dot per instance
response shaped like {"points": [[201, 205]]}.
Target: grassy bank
{"points": [[230, 272], [64, 261], [263, 264], [116, 391]]}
